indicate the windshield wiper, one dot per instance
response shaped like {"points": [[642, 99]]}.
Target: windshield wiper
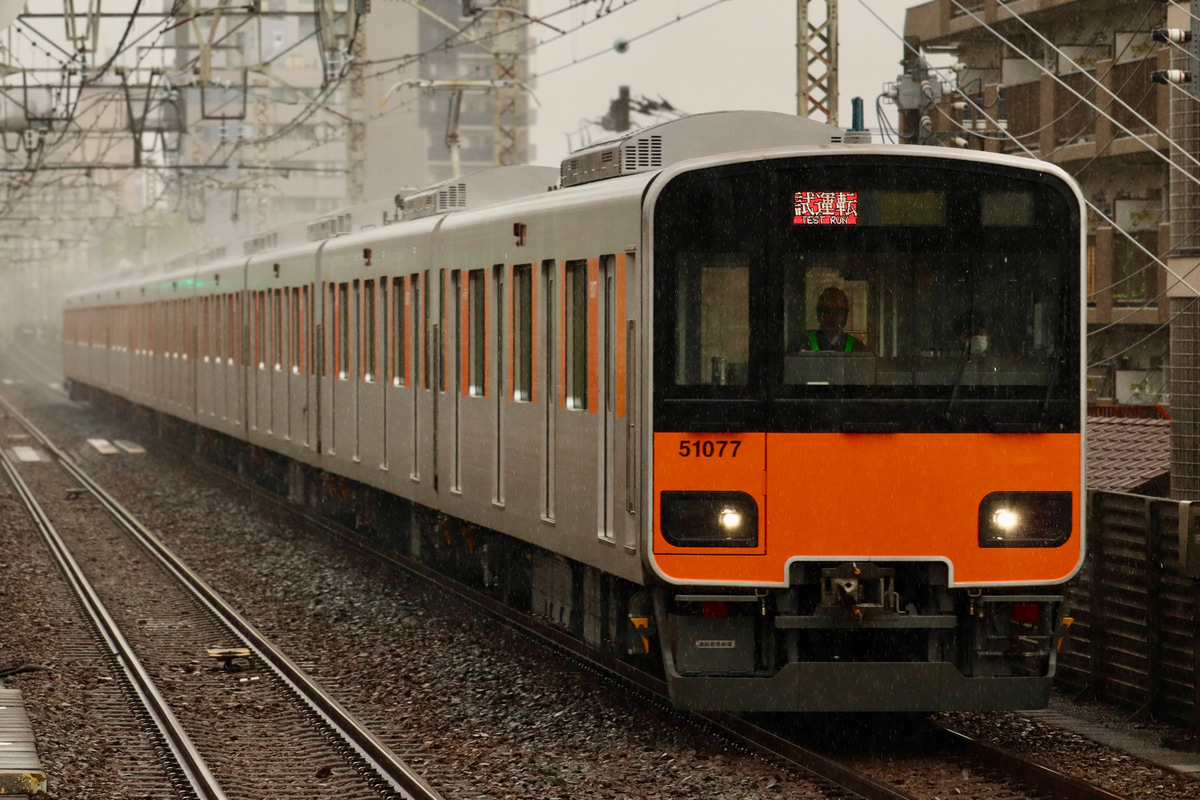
{"points": [[958, 376], [1038, 425]]}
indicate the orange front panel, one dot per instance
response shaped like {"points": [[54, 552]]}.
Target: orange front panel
{"points": [[843, 497]]}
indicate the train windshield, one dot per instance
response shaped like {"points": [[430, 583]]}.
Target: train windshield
{"points": [[934, 295]]}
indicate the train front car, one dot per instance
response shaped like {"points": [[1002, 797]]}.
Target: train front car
{"points": [[867, 428]]}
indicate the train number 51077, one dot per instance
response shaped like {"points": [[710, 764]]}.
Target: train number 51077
{"points": [[713, 448]]}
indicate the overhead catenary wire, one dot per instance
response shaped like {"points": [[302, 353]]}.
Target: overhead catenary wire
{"points": [[1031, 154], [1090, 77]]}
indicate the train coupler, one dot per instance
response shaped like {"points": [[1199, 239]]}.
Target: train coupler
{"points": [[859, 591]]}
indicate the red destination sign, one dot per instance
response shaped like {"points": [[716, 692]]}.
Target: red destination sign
{"points": [[825, 208]]}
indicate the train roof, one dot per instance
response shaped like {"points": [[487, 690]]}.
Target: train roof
{"points": [[657, 146]]}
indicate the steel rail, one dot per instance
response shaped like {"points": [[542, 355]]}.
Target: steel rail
{"points": [[398, 775], [1028, 773], [187, 758]]}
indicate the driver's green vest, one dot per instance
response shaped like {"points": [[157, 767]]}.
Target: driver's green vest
{"points": [[812, 342]]}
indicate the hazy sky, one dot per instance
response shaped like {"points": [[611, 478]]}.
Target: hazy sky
{"points": [[738, 54]]}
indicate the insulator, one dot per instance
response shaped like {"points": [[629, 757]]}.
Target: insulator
{"points": [[1166, 35], [1171, 76]]}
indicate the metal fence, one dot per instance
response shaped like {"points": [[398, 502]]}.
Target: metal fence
{"points": [[1135, 638]]}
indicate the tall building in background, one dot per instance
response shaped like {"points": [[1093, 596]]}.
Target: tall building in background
{"points": [[284, 132], [1128, 308]]}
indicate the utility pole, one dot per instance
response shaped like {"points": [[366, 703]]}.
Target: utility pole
{"points": [[356, 129], [341, 36], [618, 112], [1184, 320], [917, 95], [817, 61], [456, 89], [262, 131], [506, 73]]}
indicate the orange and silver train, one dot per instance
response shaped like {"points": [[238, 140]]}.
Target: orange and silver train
{"points": [[600, 392]]}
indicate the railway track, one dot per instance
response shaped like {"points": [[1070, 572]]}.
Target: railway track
{"points": [[379, 767]]}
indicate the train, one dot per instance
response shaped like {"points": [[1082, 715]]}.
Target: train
{"points": [[605, 393]]}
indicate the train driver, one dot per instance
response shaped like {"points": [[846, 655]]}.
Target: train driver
{"points": [[833, 309]]}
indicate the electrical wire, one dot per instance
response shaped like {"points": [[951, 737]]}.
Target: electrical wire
{"points": [[1073, 91], [1031, 154]]}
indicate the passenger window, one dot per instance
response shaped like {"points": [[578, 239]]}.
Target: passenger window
{"points": [[400, 326], [576, 309], [523, 333], [382, 334], [477, 332], [712, 325], [297, 333], [343, 311], [368, 331], [260, 329], [277, 327]]}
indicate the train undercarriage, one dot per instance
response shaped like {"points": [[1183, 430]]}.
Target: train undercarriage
{"points": [[859, 637]]}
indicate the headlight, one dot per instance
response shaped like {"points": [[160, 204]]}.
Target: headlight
{"points": [[1025, 519], [709, 519]]}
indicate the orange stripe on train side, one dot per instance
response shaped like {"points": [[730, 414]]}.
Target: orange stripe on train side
{"points": [[888, 497]]}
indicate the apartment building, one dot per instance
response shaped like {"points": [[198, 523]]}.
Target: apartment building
{"points": [[1040, 95]]}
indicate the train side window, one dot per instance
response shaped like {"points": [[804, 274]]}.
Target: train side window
{"points": [[329, 340], [444, 342], [384, 333], [712, 323], [423, 344], [368, 332], [576, 339], [400, 302], [343, 331], [297, 332], [309, 299], [277, 332], [237, 344], [522, 333], [227, 328], [503, 318], [264, 329], [256, 305], [477, 332]]}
